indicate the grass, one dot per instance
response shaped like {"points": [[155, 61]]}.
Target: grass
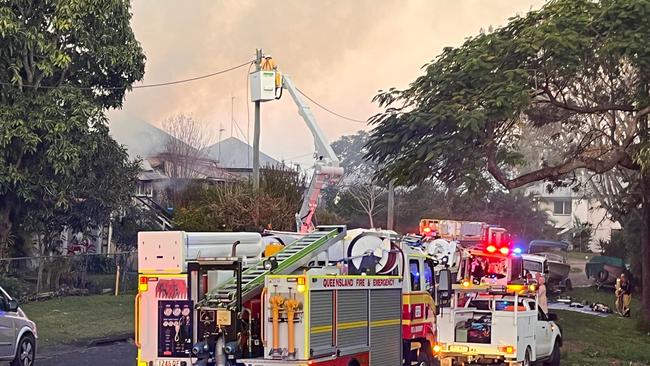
{"points": [[591, 340], [78, 319]]}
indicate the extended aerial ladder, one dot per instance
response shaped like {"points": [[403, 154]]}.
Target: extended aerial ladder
{"points": [[265, 85], [326, 168]]}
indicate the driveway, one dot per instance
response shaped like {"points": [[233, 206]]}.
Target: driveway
{"points": [[578, 278], [117, 354]]}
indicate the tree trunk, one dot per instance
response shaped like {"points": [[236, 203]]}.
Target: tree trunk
{"points": [[645, 247], [370, 220], [41, 265], [5, 229]]}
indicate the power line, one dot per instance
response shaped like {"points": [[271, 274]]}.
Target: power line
{"points": [[134, 86], [329, 110], [301, 156]]}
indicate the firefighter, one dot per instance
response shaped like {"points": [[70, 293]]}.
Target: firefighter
{"points": [[623, 295]]}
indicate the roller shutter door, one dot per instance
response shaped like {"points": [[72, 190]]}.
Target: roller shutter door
{"points": [[385, 327]]}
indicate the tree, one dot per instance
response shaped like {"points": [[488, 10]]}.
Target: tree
{"points": [[351, 150], [186, 146], [367, 196], [63, 64], [574, 66]]}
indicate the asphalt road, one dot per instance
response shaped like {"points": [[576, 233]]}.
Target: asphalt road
{"points": [[118, 354]]}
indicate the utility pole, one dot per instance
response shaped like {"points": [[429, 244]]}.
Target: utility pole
{"points": [[221, 129], [232, 114], [391, 206], [256, 131]]}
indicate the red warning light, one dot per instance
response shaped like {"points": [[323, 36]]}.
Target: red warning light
{"points": [[491, 249], [504, 250]]}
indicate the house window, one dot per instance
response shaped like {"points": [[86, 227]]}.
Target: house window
{"points": [[144, 189], [562, 207]]}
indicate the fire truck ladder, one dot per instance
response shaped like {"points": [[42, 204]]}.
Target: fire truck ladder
{"points": [[292, 257]]}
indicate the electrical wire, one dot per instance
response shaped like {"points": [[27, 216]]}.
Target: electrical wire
{"points": [[175, 82], [329, 110]]}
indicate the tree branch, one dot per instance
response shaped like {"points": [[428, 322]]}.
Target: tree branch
{"points": [[576, 108]]}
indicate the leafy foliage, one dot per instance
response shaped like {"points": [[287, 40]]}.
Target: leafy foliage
{"points": [[239, 207], [67, 61], [577, 69], [133, 220], [577, 65]]}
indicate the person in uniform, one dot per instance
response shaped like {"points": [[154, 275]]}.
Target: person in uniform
{"points": [[623, 294]]}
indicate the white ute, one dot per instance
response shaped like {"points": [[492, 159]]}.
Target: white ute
{"points": [[489, 324]]}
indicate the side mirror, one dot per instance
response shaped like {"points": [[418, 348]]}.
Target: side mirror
{"points": [[444, 287], [12, 306], [552, 317]]}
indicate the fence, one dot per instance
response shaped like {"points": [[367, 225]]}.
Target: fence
{"points": [[31, 278]]}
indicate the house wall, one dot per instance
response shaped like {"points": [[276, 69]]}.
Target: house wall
{"points": [[584, 210]]}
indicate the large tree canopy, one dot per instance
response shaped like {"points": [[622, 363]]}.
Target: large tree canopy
{"points": [[577, 65], [62, 63], [577, 70]]}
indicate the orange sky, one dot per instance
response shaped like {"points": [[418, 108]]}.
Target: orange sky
{"points": [[340, 52]]}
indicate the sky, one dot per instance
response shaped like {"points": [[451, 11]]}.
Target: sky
{"points": [[339, 52]]}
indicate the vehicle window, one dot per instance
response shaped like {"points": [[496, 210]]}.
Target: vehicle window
{"points": [[479, 305], [415, 275], [4, 302], [428, 276], [541, 315], [517, 268], [533, 266]]}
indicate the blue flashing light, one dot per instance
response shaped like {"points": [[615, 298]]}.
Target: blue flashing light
{"points": [[517, 250]]}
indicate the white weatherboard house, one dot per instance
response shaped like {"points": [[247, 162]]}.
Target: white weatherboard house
{"points": [[567, 207]]}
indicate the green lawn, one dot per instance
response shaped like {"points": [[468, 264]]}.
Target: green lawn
{"points": [[591, 340], [77, 319]]}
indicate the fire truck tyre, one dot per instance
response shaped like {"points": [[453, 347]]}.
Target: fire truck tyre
{"points": [[26, 351], [555, 356]]}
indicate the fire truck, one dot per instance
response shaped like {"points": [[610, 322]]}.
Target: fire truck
{"points": [[467, 232], [214, 299]]}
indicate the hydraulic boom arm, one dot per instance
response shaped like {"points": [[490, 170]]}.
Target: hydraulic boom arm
{"points": [[326, 169]]}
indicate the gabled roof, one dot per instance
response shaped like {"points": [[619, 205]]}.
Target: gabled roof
{"points": [[139, 137], [232, 153]]}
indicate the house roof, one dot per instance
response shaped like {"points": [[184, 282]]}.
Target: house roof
{"points": [[232, 153], [204, 168], [139, 137]]}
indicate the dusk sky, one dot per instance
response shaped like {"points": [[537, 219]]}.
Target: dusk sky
{"points": [[339, 52]]}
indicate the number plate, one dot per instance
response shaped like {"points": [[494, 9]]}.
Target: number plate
{"points": [[459, 349], [168, 363]]}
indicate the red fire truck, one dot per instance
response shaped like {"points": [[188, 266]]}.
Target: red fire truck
{"points": [[209, 299]]}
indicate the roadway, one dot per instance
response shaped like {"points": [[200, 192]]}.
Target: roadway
{"points": [[117, 354]]}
